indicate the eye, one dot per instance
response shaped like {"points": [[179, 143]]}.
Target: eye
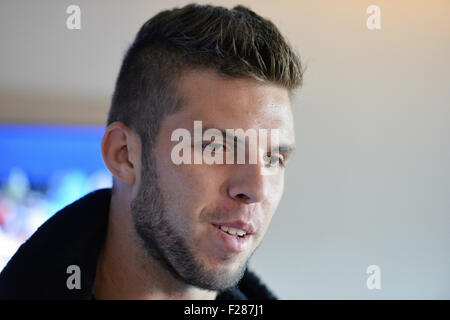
{"points": [[274, 160], [213, 146]]}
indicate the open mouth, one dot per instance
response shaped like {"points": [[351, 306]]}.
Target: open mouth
{"points": [[232, 231], [231, 239]]}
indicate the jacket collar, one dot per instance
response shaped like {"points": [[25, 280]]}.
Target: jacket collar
{"points": [[75, 236]]}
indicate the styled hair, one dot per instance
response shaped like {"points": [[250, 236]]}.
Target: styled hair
{"points": [[234, 42]]}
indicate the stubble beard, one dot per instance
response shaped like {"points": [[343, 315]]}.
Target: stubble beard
{"points": [[163, 242]]}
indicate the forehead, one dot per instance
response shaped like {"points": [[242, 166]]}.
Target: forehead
{"points": [[233, 103]]}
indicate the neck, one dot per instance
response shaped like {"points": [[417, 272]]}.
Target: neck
{"points": [[126, 271]]}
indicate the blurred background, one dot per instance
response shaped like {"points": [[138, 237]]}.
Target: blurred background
{"points": [[370, 182]]}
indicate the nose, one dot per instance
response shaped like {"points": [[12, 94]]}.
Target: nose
{"points": [[248, 184]]}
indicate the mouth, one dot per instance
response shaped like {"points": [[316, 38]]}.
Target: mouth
{"points": [[231, 239]]}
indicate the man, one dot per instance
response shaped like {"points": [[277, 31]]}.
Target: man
{"points": [[168, 230]]}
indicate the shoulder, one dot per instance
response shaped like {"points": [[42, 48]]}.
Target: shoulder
{"points": [[72, 236], [254, 288], [250, 287]]}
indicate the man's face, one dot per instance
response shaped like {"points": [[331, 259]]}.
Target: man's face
{"points": [[179, 208]]}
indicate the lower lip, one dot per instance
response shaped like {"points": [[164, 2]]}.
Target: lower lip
{"points": [[232, 243]]}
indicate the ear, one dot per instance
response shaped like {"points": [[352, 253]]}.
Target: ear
{"points": [[121, 152]]}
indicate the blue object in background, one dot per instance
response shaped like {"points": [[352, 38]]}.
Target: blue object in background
{"points": [[40, 150], [43, 168]]}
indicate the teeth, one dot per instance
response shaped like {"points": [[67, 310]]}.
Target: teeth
{"points": [[233, 231]]}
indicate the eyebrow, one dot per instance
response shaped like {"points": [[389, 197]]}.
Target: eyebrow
{"points": [[287, 149]]}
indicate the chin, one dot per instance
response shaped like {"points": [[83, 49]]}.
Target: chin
{"points": [[223, 275]]}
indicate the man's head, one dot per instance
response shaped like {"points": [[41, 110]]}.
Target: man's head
{"points": [[229, 69]]}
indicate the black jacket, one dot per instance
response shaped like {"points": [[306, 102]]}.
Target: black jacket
{"points": [[75, 236]]}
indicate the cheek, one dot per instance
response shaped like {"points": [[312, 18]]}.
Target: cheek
{"points": [[186, 188], [192, 181], [274, 196], [276, 183]]}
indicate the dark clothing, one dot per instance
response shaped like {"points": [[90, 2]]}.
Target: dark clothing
{"points": [[75, 236]]}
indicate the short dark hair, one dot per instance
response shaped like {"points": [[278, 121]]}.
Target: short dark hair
{"points": [[236, 43]]}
